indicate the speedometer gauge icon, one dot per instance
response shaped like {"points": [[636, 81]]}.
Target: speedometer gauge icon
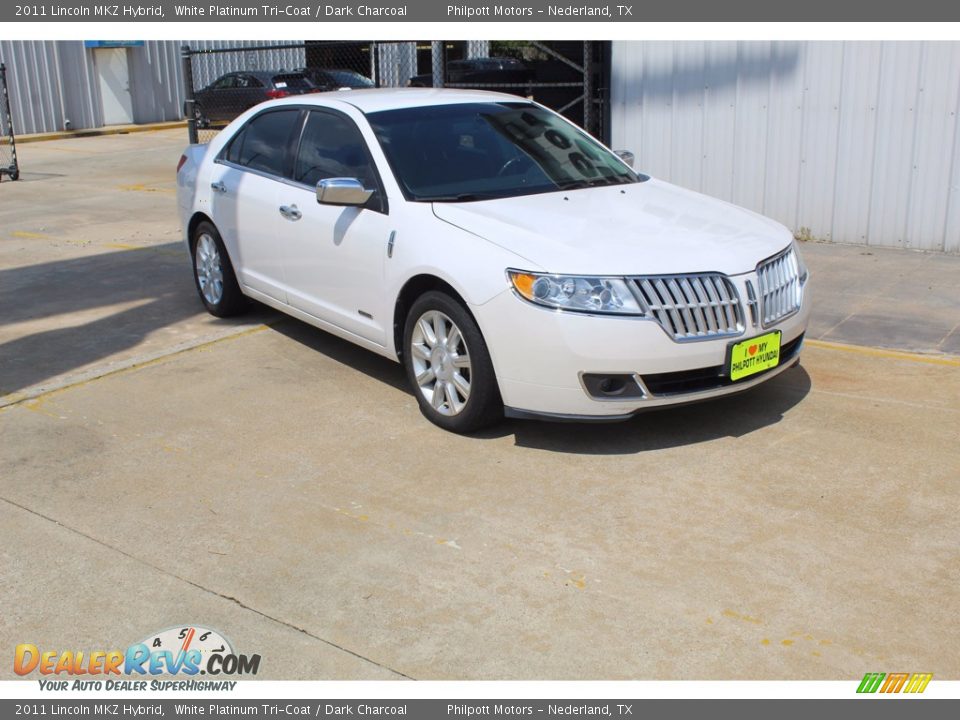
{"points": [[181, 639]]}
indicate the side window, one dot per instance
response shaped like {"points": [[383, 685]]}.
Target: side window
{"points": [[235, 148], [225, 83], [262, 143], [332, 146]]}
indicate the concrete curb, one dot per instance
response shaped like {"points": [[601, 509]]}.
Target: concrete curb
{"points": [[94, 132]]}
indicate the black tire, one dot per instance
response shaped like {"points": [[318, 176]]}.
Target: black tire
{"points": [[483, 406], [229, 301], [203, 121]]}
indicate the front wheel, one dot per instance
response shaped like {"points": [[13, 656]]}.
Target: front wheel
{"points": [[448, 365]]}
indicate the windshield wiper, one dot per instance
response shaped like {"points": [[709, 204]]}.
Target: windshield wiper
{"points": [[596, 182], [462, 197]]}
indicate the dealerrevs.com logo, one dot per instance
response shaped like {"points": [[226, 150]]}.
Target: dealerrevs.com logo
{"points": [[189, 650]]}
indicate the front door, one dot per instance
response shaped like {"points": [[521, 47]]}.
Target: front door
{"points": [[334, 256]]}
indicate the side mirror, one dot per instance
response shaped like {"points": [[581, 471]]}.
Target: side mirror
{"points": [[626, 156], [342, 191]]}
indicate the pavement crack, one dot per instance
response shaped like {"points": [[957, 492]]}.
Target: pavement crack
{"points": [[209, 591]]}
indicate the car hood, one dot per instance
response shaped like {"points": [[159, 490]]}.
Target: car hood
{"points": [[646, 228]]}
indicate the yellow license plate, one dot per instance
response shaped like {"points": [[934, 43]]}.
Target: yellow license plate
{"points": [[748, 357]]}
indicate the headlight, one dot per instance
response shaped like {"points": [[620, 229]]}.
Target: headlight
{"points": [[576, 293]]}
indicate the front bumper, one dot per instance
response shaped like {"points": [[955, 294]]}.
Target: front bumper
{"points": [[541, 356]]}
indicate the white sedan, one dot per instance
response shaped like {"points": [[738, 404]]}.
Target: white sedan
{"points": [[511, 262]]}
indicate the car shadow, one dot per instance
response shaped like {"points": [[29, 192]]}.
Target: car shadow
{"points": [[71, 285], [731, 416], [344, 352], [109, 303], [659, 429]]}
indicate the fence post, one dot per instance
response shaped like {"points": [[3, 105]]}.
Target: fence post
{"points": [[588, 87], [14, 170], [438, 62], [189, 100]]}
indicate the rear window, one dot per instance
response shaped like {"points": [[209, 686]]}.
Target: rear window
{"points": [[291, 82], [263, 142], [345, 78]]}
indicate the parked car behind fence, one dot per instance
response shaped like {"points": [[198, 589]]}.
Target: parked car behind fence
{"points": [[336, 78], [232, 94], [494, 73]]}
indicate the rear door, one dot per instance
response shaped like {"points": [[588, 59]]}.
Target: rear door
{"points": [[250, 92], [219, 101], [246, 180]]}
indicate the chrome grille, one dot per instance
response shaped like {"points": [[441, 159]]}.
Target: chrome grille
{"points": [[780, 289], [692, 307]]}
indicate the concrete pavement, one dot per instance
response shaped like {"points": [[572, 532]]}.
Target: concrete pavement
{"points": [[162, 467]]}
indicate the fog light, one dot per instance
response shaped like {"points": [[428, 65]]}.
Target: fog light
{"points": [[611, 386]]}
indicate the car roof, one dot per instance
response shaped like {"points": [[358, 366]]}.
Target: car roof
{"points": [[264, 74], [329, 69], [376, 99], [487, 61]]}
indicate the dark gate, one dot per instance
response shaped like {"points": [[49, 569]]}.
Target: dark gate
{"points": [[563, 75], [567, 76], [8, 147]]}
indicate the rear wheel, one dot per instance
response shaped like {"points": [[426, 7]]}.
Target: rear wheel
{"points": [[448, 365], [202, 121], [213, 273]]}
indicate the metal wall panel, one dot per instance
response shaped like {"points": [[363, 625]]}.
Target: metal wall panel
{"points": [[155, 82], [49, 82], [397, 63], [854, 142]]}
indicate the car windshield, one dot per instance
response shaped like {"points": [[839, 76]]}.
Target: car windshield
{"points": [[481, 151]]}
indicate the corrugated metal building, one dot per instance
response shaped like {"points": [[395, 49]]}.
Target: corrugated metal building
{"points": [[855, 142]]}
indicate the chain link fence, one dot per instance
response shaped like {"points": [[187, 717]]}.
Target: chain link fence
{"points": [[558, 74], [8, 148], [223, 82]]}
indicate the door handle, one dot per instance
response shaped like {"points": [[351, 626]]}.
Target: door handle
{"points": [[290, 212], [218, 187]]}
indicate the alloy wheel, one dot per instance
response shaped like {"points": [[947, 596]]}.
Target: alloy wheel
{"points": [[209, 269], [441, 362]]}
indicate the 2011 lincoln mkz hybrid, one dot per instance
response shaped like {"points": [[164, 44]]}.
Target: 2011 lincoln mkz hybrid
{"points": [[511, 262]]}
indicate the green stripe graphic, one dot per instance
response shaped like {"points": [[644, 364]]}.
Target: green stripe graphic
{"points": [[871, 682]]}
